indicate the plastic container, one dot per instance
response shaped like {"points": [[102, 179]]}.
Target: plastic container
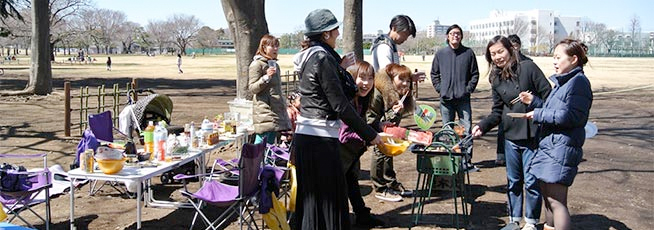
{"points": [[192, 136], [148, 138], [108, 166], [160, 136], [207, 126], [86, 161]]}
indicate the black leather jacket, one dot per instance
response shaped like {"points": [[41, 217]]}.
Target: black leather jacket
{"points": [[324, 85]]}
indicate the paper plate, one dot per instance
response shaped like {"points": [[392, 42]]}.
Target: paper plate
{"points": [[424, 116], [591, 129]]}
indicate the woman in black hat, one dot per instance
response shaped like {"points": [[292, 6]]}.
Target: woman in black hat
{"points": [[326, 89]]}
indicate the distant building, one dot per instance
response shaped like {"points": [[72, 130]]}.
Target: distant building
{"points": [[436, 29], [539, 30], [369, 38], [226, 44]]}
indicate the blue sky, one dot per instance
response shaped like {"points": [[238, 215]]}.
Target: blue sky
{"points": [[286, 16]]}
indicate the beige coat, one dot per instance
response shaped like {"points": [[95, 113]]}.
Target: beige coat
{"points": [[268, 100]]}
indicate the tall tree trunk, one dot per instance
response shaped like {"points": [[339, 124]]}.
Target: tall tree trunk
{"points": [[352, 27], [40, 81], [247, 23]]}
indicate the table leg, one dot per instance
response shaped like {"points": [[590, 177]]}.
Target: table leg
{"points": [[138, 204], [72, 204]]}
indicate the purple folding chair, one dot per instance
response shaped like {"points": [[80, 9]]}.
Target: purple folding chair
{"points": [[25, 193], [239, 199], [102, 127]]}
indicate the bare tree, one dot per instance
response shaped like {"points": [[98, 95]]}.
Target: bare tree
{"points": [[158, 34], [609, 39], [183, 29], [353, 28], [40, 79], [634, 31], [520, 27], [247, 23], [206, 38], [61, 13], [291, 40], [9, 9], [127, 34]]}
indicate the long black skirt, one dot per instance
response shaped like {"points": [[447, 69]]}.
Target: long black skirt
{"points": [[321, 201]]}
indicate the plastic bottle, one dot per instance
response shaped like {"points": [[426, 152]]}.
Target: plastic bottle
{"points": [[160, 136], [148, 139], [192, 143], [164, 138]]}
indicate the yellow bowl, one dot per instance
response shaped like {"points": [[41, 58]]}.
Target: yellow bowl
{"points": [[394, 148], [111, 166]]}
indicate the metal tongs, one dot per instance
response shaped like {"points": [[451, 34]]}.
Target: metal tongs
{"points": [[466, 142]]}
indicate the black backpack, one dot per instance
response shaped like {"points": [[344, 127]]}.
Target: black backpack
{"points": [[13, 181]]}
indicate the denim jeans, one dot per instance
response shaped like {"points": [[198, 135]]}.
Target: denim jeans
{"points": [[458, 108], [518, 158]]}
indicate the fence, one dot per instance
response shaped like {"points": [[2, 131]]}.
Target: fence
{"points": [[103, 100], [289, 82]]}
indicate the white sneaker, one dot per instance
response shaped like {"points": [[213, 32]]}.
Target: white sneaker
{"points": [[387, 196], [470, 167], [529, 226]]}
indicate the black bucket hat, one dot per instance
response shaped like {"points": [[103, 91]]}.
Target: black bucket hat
{"points": [[319, 21]]}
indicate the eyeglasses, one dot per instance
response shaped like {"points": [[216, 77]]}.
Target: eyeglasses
{"points": [[453, 34]]}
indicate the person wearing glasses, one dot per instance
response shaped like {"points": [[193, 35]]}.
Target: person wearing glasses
{"points": [[454, 74]]}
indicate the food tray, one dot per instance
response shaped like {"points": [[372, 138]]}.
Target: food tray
{"points": [[420, 149]]}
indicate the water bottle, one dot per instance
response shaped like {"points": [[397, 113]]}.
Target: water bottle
{"points": [[148, 139], [160, 135], [192, 143]]}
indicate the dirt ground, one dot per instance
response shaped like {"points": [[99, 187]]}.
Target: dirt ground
{"points": [[614, 188]]}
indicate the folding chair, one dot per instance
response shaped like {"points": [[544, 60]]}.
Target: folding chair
{"points": [[279, 158], [238, 199], [101, 125], [37, 183]]}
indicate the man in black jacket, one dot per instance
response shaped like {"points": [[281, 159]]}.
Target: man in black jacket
{"points": [[454, 74]]}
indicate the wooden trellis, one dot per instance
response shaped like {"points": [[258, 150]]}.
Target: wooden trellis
{"points": [[93, 102]]}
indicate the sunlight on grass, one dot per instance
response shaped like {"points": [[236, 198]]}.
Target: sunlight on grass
{"points": [[602, 72]]}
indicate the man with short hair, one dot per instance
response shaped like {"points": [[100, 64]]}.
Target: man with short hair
{"points": [[454, 74], [384, 51]]}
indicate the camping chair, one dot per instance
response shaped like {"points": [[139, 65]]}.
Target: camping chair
{"points": [[238, 199], [279, 158], [101, 126], [34, 190], [440, 162]]}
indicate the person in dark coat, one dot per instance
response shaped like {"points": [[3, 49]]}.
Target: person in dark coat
{"points": [[326, 90], [352, 147], [108, 63], [512, 79], [454, 75], [562, 119]]}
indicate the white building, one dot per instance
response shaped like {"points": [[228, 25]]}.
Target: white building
{"points": [[436, 29], [539, 30]]}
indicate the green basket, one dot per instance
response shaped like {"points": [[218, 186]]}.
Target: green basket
{"points": [[438, 164]]}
